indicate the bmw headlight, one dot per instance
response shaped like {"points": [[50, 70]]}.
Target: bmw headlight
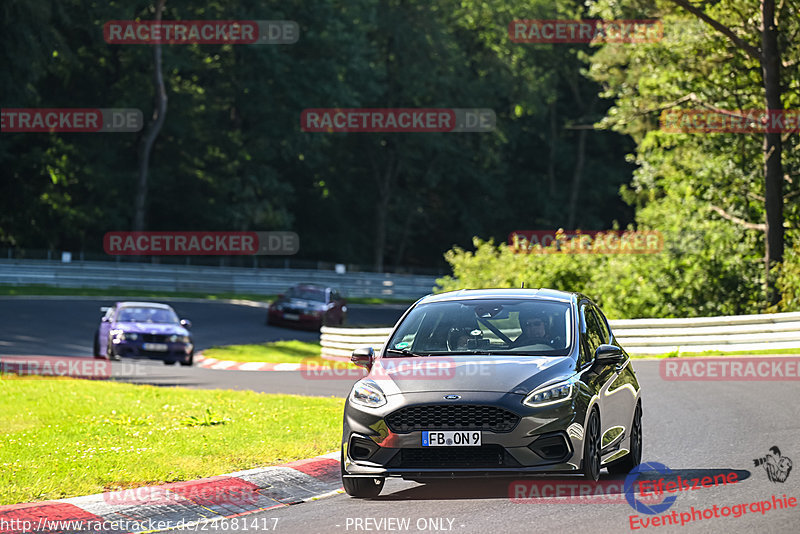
{"points": [[551, 394], [367, 393], [174, 338], [121, 335]]}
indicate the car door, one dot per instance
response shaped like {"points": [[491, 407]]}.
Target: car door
{"points": [[618, 396], [599, 378], [105, 329]]}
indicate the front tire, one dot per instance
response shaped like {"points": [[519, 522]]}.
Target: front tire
{"points": [[361, 488], [188, 361], [591, 448], [634, 457]]}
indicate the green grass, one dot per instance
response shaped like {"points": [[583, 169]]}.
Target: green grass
{"points": [[65, 437], [41, 290], [676, 354], [275, 352]]}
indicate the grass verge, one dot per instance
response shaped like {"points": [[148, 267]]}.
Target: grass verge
{"points": [[293, 351], [42, 290], [64, 437]]}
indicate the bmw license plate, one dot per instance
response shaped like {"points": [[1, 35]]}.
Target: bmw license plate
{"points": [[291, 316], [155, 347], [451, 438]]}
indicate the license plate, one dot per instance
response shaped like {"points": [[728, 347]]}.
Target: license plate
{"points": [[291, 316], [155, 347], [451, 438]]}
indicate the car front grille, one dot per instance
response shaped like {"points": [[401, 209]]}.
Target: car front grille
{"points": [[486, 456], [451, 417], [155, 338]]}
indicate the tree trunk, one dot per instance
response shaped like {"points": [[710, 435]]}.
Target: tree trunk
{"points": [[153, 129], [576, 180], [773, 168]]}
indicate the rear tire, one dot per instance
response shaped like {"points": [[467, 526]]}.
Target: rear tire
{"points": [[361, 488], [634, 457], [591, 448], [96, 346]]}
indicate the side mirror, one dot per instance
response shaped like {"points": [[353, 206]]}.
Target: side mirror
{"points": [[606, 354], [186, 323], [363, 357]]}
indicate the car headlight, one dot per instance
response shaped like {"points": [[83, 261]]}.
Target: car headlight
{"points": [[551, 394], [174, 338], [121, 335], [367, 393]]}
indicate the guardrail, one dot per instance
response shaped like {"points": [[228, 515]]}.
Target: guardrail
{"points": [[637, 336], [189, 278]]}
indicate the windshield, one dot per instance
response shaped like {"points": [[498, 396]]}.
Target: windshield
{"points": [[144, 314], [306, 294], [534, 327]]}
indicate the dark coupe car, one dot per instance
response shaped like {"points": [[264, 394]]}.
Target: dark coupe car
{"points": [[308, 306], [499, 382], [144, 329]]}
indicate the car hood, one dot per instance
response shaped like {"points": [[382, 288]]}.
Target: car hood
{"points": [[502, 374], [151, 328]]}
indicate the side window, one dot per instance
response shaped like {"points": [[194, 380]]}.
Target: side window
{"points": [[605, 332], [593, 336], [585, 350]]}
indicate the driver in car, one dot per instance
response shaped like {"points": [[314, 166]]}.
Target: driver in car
{"points": [[534, 330]]}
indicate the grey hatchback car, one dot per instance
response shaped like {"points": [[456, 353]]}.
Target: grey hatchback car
{"points": [[495, 382]]}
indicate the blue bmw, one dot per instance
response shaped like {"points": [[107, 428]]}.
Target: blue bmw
{"points": [[143, 329]]}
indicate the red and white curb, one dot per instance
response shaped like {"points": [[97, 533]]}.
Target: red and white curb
{"points": [[228, 365], [180, 503]]}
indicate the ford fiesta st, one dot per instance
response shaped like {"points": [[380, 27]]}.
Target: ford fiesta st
{"points": [[502, 382]]}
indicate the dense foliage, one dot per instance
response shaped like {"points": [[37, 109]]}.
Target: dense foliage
{"points": [[704, 192], [231, 154]]}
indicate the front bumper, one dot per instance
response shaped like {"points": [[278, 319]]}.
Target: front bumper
{"points": [[304, 320], [177, 351], [543, 440]]}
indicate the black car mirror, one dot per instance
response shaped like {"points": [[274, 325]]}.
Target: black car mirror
{"points": [[606, 354], [186, 323], [363, 357]]}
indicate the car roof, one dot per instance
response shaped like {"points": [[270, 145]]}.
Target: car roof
{"points": [[537, 294], [130, 304]]}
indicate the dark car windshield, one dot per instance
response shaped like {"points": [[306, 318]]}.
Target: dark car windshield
{"points": [[306, 294], [146, 314], [481, 326]]}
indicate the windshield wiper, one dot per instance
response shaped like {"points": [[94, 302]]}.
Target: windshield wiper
{"points": [[404, 352]]}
